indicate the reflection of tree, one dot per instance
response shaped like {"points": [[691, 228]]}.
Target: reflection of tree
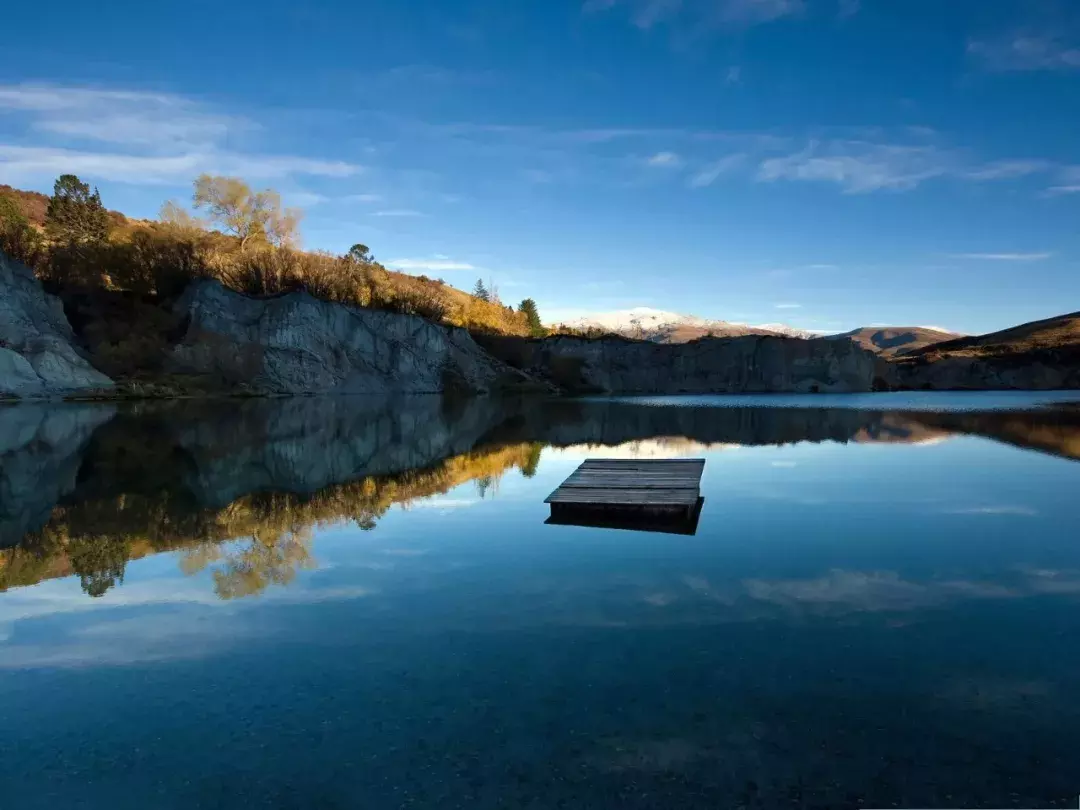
{"points": [[250, 566], [98, 561], [532, 460], [95, 537], [483, 484]]}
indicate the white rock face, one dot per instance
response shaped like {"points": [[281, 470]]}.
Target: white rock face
{"points": [[296, 344], [37, 356]]}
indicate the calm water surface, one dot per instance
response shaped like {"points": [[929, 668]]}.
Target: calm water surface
{"points": [[346, 603]]}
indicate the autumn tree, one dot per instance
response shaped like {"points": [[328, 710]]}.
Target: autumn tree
{"points": [[179, 217], [248, 215], [480, 291], [75, 215], [18, 238], [532, 317]]}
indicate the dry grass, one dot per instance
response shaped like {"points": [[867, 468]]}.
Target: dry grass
{"points": [[153, 259]]}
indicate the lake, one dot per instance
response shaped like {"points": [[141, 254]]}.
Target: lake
{"points": [[344, 602]]}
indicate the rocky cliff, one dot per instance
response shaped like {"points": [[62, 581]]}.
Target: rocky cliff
{"points": [[37, 355], [297, 344], [751, 364]]}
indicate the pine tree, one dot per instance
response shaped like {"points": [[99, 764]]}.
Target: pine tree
{"points": [[532, 317], [75, 214], [480, 291]]}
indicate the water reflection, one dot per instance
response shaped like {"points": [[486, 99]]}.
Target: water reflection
{"points": [[241, 488]]}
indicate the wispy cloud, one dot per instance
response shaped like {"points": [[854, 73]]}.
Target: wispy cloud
{"points": [[788, 306], [363, 198], [1004, 257], [733, 75], [150, 138], [1008, 169], [397, 212], [646, 14], [848, 8], [25, 162], [1068, 182], [1025, 52], [665, 160], [713, 171], [124, 117], [1003, 509], [859, 167], [436, 264]]}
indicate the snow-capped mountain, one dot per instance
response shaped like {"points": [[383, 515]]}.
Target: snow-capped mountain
{"points": [[646, 323]]}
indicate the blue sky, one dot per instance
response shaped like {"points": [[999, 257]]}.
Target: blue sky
{"points": [[825, 163]]}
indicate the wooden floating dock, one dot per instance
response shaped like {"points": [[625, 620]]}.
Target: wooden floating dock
{"points": [[641, 494]]}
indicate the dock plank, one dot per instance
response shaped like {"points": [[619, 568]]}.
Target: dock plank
{"points": [[624, 483]]}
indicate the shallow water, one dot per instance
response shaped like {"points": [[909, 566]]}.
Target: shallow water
{"points": [[347, 603]]}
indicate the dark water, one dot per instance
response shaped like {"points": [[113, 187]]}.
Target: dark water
{"points": [[342, 603]]}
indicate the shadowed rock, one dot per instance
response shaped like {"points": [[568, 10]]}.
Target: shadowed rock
{"points": [[37, 357]]}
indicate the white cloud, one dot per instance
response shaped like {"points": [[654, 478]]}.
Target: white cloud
{"points": [[538, 176], [306, 199], [788, 306], [848, 8], [436, 264], [397, 212], [18, 163], [1068, 182], [646, 14], [363, 198], [664, 159], [156, 138], [711, 173], [1024, 52], [156, 120], [733, 75], [1005, 509], [1004, 257], [859, 167], [1008, 169]]}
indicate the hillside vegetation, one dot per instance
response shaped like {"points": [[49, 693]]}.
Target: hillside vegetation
{"points": [[893, 341], [117, 276], [1049, 334]]}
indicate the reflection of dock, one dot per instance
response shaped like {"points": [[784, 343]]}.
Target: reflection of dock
{"points": [[646, 495]]}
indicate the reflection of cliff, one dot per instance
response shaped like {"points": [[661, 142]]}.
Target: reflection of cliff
{"points": [[242, 486], [39, 458]]}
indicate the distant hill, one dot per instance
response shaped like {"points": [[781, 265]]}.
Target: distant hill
{"points": [[1061, 332], [645, 323], [892, 341]]}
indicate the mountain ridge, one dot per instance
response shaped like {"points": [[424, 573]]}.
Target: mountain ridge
{"points": [[661, 326]]}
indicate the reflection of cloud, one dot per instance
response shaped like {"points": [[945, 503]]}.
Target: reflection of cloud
{"points": [[439, 502], [873, 591], [1004, 509], [60, 596], [785, 464], [177, 618], [663, 447]]}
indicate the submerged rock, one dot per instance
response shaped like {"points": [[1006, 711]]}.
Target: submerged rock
{"points": [[37, 355], [297, 344]]}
